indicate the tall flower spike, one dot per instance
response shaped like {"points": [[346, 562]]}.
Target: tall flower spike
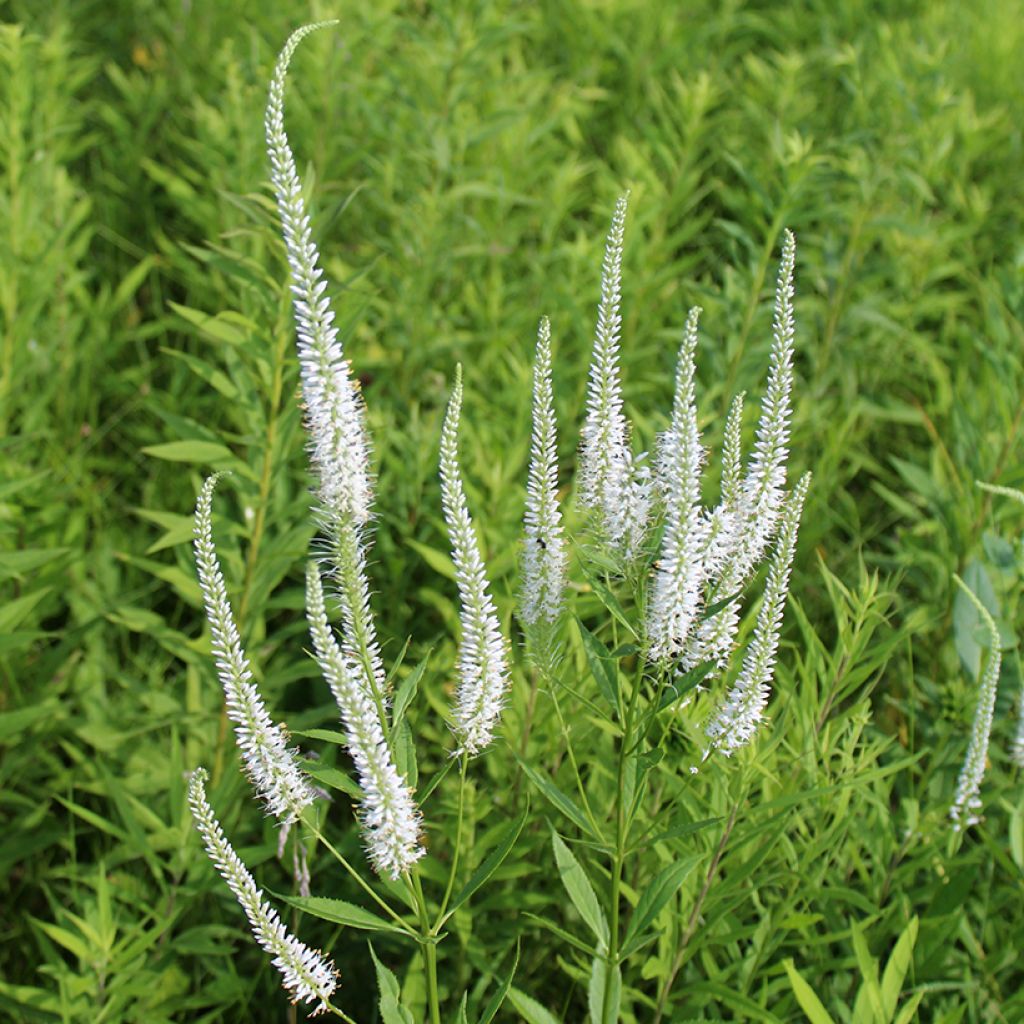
{"points": [[482, 660], [967, 802], [736, 720], [543, 544], [612, 481], [270, 764], [755, 517], [679, 578], [339, 443], [306, 973], [390, 819], [732, 454]]}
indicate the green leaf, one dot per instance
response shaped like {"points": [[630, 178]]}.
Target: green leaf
{"points": [[600, 1013], [557, 798], [404, 749], [580, 891], [491, 862], [213, 327], [809, 1002], [495, 1002], [602, 667], [683, 684], [439, 561], [609, 600], [331, 777], [529, 1009], [391, 1009], [406, 692], [189, 451], [896, 969], [869, 998], [339, 912], [659, 891]]}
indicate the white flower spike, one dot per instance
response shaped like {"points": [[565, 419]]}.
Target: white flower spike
{"points": [[613, 482], [269, 762], [738, 717], [389, 817], [967, 801], [543, 564], [306, 974], [482, 659], [680, 574]]}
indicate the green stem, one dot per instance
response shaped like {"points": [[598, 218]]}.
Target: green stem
{"points": [[429, 946], [458, 846]]}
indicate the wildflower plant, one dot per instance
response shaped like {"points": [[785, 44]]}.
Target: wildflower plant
{"points": [[667, 573]]}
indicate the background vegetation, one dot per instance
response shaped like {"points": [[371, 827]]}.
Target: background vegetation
{"points": [[463, 159]]}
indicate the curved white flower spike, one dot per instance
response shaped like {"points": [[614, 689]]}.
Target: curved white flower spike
{"points": [[389, 816], [967, 801], [483, 660], [680, 575], [612, 481], [543, 563], [736, 720], [306, 974], [334, 408], [268, 761]]}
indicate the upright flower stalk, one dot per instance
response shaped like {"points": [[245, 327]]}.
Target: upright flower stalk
{"points": [[269, 762], [306, 974], [543, 560], [613, 482], [390, 818], [967, 801], [681, 569], [482, 658], [737, 718]]}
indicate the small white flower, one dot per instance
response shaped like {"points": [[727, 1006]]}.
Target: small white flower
{"points": [[306, 973], [482, 660], [543, 563], [681, 572], [736, 720], [270, 764], [390, 819], [967, 801]]}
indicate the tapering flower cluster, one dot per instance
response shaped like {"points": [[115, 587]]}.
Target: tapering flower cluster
{"points": [[543, 564], [967, 801], [613, 482], [482, 658], [306, 973], [268, 761], [390, 819], [737, 718]]}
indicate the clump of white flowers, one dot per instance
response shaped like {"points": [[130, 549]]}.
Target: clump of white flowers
{"points": [[688, 597]]}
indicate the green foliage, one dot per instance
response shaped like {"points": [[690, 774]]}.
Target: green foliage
{"points": [[461, 160]]}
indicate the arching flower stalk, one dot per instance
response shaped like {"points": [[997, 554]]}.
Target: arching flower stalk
{"points": [[390, 819], [270, 764], [756, 505], [614, 483], [967, 801], [482, 659], [680, 574], [544, 557], [736, 720], [306, 974]]}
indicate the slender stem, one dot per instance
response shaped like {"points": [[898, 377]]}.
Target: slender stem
{"points": [[458, 846], [429, 946], [364, 885], [580, 788]]}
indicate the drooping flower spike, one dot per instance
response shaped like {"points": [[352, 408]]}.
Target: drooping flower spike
{"points": [[737, 718], [613, 482], [306, 974], [967, 801], [389, 816], [269, 763], [544, 556], [483, 658]]}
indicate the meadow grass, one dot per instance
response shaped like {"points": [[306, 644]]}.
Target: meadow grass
{"points": [[461, 160]]}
